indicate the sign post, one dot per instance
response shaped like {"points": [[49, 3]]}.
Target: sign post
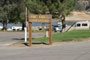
{"points": [[26, 18], [30, 34], [40, 19], [50, 33]]}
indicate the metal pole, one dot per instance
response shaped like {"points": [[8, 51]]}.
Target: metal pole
{"points": [[26, 18]]}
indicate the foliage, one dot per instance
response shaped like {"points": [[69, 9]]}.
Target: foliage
{"points": [[36, 7], [82, 5], [6, 6], [78, 6], [42, 6], [14, 10]]}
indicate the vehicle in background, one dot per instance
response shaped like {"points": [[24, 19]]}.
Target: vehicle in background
{"points": [[9, 29], [17, 28], [1, 27], [57, 27]]}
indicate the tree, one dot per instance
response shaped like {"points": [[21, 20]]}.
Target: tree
{"points": [[41, 6], [62, 7], [6, 6], [14, 10]]}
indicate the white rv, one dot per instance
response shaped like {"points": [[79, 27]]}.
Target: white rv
{"points": [[82, 25]]}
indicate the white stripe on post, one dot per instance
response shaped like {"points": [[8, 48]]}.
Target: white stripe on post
{"points": [[25, 35]]}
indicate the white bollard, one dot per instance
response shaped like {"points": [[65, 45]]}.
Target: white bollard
{"points": [[47, 34], [25, 35]]}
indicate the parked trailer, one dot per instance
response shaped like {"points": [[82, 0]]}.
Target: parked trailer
{"points": [[82, 25]]}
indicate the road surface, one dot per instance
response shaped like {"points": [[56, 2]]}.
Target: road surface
{"points": [[8, 38], [68, 51]]}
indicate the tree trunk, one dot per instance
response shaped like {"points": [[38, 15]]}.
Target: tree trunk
{"points": [[63, 22], [63, 25], [4, 25], [23, 25]]}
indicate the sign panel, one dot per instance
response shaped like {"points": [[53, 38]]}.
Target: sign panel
{"points": [[40, 18]]}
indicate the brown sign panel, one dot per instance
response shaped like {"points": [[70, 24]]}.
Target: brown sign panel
{"points": [[40, 18]]}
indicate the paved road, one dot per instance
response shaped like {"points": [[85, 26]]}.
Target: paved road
{"points": [[7, 38], [68, 51]]}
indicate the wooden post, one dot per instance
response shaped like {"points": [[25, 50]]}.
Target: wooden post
{"points": [[30, 34], [50, 32], [26, 17]]}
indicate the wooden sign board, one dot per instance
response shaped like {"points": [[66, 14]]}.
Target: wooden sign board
{"points": [[40, 18]]}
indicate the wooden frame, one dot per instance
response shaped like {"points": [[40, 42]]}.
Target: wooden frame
{"points": [[41, 19]]}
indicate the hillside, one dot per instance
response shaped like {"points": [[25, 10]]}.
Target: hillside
{"points": [[78, 16], [81, 12]]}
